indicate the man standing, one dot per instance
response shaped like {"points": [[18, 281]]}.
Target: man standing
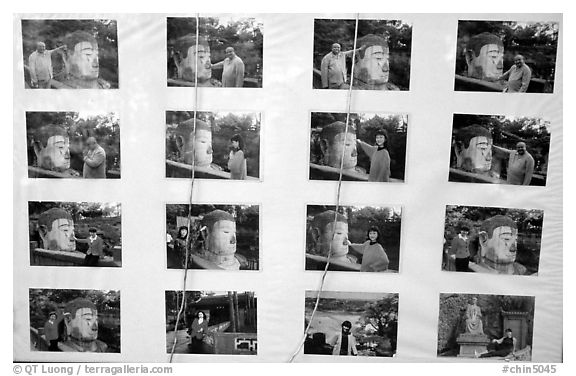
{"points": [[94, 161], [233, 69], [333, 68], [51, 332], [344, 343], [40, 65], [459, 250], [95, 248], [518, 76], [520, 166]]}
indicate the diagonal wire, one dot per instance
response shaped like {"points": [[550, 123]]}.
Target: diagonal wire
{"points": [[325, 272], [190, 239]]}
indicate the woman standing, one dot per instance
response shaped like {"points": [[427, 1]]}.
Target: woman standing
{"points": [[237, 161], [197, 331], [379, 157], [374, 257]]}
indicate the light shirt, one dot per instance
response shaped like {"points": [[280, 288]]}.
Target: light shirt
{"points": [[333, 69], [520, 168], [40, 65], [518, 78], [233, 72]]}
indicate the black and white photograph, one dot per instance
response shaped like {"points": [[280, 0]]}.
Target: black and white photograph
{"points": [[83, 145], [354, 239], [382, 55], [492, 328], [211, 322], [70, 54], [214, 145], [499, 149], [351, 324], [75, 233], [75, 320], [372, 148], [230, 49], [213, 237], [492, 240], [506, 56]]}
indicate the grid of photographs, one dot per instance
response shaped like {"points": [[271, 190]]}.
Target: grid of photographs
{"points": [[79, 233]]}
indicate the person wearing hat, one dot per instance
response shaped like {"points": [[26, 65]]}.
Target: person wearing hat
{"points": [[51, 332], [95, 248]]}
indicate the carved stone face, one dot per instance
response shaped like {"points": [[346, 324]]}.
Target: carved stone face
{"points": [[84, 326], [56, 155], [337, 235], [84, 61], [59, 237], [222, 238], [201, 145], [374, 67], [501, 247], [333, 151], [477, 156], [188, 66], [489, 63]]}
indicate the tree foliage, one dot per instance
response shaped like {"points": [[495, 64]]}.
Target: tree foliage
{"points": [[53, 32], [397, 32]]}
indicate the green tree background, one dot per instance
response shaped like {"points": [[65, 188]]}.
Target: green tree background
{"points": [[395, 125], [44, 301], [106, 217], [52, 32], [360, 219], [536, 41], [224, 126], [398, 33], [507, 132], [529, 222], [244, 34], [452, 321], [104, 127]]}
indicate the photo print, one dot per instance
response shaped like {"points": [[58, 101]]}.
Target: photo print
{"points": [[212, 322], [362, 239], [75, 320], [75, 233], [506, 56], [383, 51], [83, 145], [218, 237], [492, 240], [374, 147], [223, 145], [498, 149], [70, 54], [351, 324], [229, 52], [488, 327]]}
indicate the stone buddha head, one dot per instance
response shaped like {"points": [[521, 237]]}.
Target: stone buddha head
{"points": [[498, 236], [372, 67], [190, 58], [220, 238], [82, 321], [473, 149], [485, 56], [333, 141], [329, 236], [194, 147], [56, 229], [82, 60], [52, 148]]}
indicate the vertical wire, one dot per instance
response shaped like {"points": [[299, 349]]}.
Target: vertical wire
{"points": [[189, 240], [325, 272]]}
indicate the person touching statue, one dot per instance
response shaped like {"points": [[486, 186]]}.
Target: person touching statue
{"points": [[232, 69], [379, 157], [374, 257], [474, 318], [518, 76], [40, 66], [237, 159], [94, 160], [520, 164], [333, 68], [95, 247]]}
